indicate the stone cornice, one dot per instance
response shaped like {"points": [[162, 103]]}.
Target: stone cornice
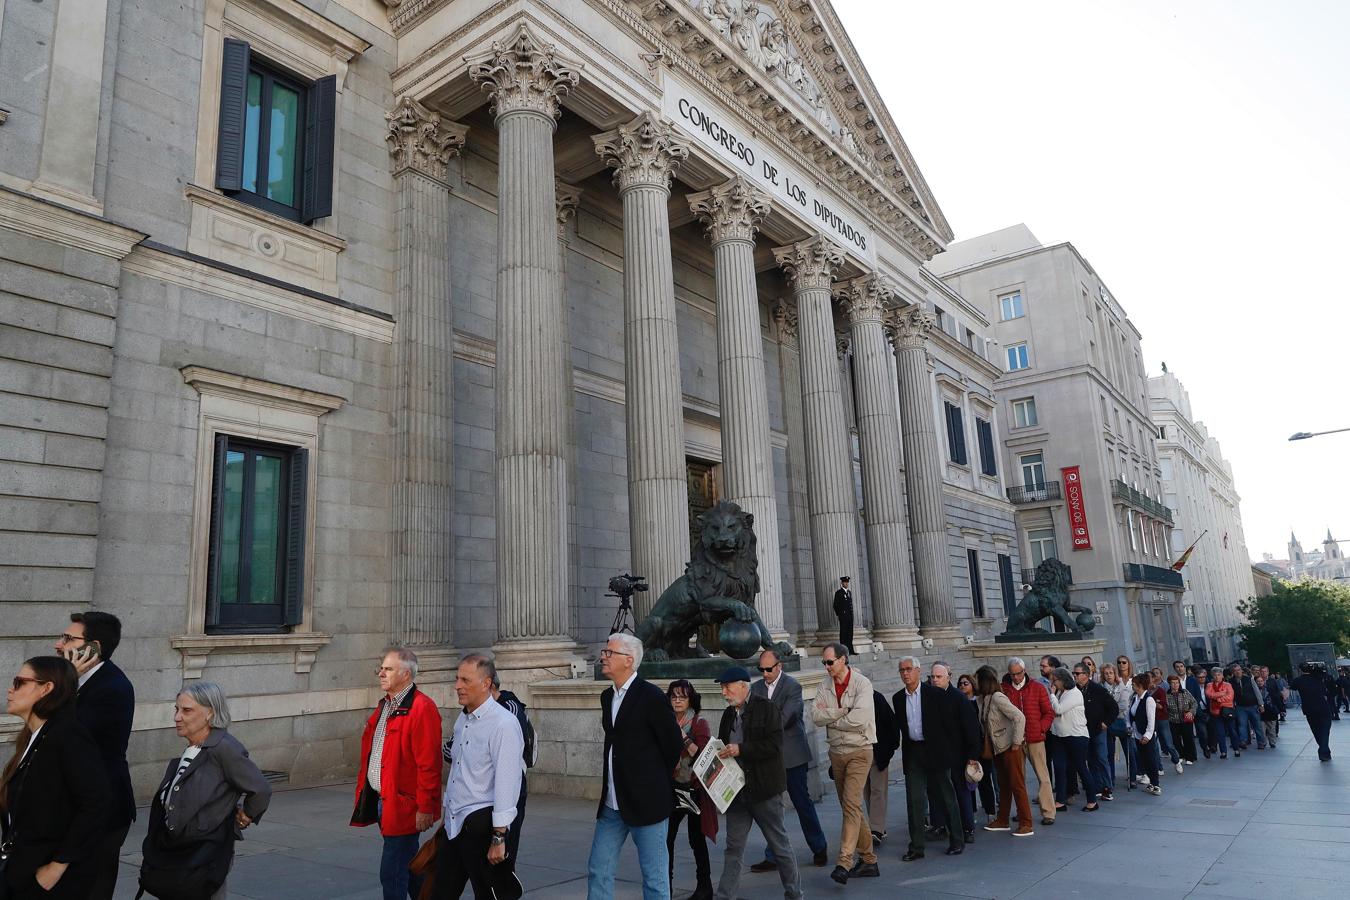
{"points": [[63, 225], [866, 298], [422, 140], [810, 264], [732, 211], [694, 47], [523, 75], [643, 152]]}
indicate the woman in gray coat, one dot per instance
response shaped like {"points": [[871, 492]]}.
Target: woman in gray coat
{"points": [[207, 797]]}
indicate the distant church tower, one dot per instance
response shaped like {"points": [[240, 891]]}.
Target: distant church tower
{"points": [[1295, 549], [1330, 549]]}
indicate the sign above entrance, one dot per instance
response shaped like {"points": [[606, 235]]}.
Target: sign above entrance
{"points": [[721, 132]]}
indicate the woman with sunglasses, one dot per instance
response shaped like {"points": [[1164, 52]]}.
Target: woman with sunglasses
{"points": [[54, 791], [1091, 665], [691, 802], [986, 787], [1119, 730]]}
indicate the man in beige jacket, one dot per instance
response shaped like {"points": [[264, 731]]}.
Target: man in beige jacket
{"points": [[843, 706]]}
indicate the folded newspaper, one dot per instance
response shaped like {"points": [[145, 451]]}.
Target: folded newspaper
{"points": [[721, 778]]}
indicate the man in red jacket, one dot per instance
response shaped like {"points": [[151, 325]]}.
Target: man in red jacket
{"points": [[400, 774], [1033, 700]]}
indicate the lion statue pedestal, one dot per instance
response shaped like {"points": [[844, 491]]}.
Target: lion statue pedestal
{"points": [[718, 587]]}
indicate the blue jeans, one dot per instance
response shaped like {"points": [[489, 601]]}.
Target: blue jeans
{"points": [[1164, 737], [1099, 748], [1250, 716], [395, 879], [1071, 754], [610, 833], [806, 811]]}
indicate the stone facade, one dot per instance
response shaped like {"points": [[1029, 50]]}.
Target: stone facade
{"points": [[1074, 394], [559, 272], [1198, 486]]}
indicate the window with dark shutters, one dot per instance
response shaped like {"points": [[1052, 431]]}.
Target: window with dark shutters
{"points": [[976, 584], [985, 433], [956, 434], [275, 145], [1005, 581], [256, 549]]}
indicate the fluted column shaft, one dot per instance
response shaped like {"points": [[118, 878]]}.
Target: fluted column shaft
{"points": [[644, 152], [421, 585], [733, 212], [879, 434], [923, 475], [525, 80], [829, 468]]}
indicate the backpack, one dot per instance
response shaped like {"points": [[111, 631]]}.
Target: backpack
{"points": [[517, 708]]}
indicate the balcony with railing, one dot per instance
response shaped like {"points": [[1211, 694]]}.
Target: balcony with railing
{"points": [[1153, 576], [1141, 501], [1035, 493]]}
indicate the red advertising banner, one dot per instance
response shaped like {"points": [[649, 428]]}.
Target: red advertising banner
{"points": [[1073, 495]]}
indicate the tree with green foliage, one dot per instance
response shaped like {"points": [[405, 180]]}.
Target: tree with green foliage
{"points": [[1299, 612]]}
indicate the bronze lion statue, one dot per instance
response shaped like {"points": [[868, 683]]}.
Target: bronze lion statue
{"points": [[1049, 596], [719, 583]]}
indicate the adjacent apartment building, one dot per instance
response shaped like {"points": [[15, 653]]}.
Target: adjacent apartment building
{"points": [[1198, 487], [1074, 396]]}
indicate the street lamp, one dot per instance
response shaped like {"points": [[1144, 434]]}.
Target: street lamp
{"points": [[1304, 435]]}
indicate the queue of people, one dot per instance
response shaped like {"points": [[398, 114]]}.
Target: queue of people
{"points": [[966, 741]]}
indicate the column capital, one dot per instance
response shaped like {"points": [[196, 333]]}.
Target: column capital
{"points": [[644, 152], [523, 75], [909, 328], [865, 299], [732, 211], [810, 264], [785, 316], [567, 198], [421, 140]]}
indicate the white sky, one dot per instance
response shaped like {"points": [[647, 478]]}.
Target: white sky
{"points": [[1198, 154]]}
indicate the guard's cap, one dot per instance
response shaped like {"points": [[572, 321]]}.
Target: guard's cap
{"points": [[735, 673], [843, 578]]}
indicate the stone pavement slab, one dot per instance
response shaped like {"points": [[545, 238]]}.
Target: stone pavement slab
{"points": [[1272, 822]]}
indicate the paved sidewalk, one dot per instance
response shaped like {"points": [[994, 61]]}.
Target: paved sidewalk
{"points": [[1271, 822]]}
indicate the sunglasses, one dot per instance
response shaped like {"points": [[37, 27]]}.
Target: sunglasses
{"points": [[766, 669], [20, 681], [828, 662]]}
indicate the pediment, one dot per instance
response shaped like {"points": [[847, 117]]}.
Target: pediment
{"points": [[798, 49]]}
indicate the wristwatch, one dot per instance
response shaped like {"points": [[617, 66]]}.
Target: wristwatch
{"points": [[498, 837]]}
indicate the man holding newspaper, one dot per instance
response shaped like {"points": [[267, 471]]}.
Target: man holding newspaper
{"points": [[751, 733]]}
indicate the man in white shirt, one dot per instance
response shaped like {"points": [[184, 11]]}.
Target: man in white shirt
{"points": [[483, 789]]}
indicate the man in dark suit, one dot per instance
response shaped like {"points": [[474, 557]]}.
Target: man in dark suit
{"points": [[965, 746], [105, 706], [752, 731], [786, 694], [929, 723], [1195, 683], [642, 745], [843, 610]]}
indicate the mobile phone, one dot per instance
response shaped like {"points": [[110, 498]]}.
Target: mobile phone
{"points": [[88, 651]]}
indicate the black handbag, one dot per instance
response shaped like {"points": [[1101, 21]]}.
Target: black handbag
{"points": [[192, 870]]}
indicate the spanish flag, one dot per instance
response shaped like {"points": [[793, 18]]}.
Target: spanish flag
{"points": [[1180, 563]]}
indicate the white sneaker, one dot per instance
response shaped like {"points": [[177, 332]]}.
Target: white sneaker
{"points": [[1190, 762], [1154, 789], [1180, 767]]}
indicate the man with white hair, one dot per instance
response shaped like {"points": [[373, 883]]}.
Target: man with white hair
{"points": [[400, 787], [642, 745], [1033, 701]]}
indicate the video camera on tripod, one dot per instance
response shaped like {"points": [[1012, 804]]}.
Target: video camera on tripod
{"points": [[622, 588]]}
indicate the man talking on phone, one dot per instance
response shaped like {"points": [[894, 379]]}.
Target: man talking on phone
{"points": [[104, 706]]}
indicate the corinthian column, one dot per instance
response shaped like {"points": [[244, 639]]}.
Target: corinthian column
{"points": [[567, 199], [923, 475], [732, 213], [888, 565], [421, 144], [526, 80], [644, 153], [810, 266]]}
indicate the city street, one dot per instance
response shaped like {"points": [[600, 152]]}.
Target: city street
{"points": [[1270, 822]]}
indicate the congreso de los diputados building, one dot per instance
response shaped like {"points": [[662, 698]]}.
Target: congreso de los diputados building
{"points": [[328, 324]]}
